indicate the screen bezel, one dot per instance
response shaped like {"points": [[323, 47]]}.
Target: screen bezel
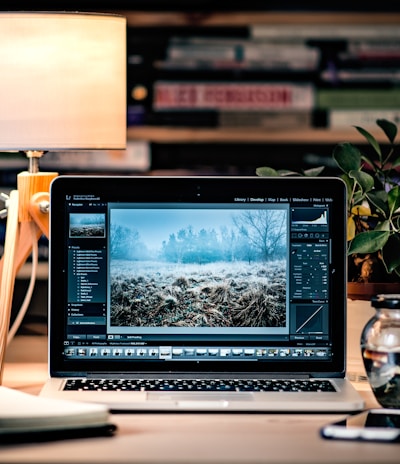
{"points": [[193, 189]]}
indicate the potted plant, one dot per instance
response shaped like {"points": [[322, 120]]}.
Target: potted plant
{"points": [[373, 208]]}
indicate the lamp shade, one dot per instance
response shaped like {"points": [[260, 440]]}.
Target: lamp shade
{"points": [[62, 81]]}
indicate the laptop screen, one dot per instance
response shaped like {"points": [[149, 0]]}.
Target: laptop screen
{"points": [[177, 273]]}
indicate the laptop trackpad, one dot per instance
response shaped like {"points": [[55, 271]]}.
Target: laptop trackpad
{"points": [[220, 399]]}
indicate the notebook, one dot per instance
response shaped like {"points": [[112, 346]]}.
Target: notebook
{"points": [[199, 293]]}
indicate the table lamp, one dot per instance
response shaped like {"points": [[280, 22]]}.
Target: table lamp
{"points": [[62, 87]]}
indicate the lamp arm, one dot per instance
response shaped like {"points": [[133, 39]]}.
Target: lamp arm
{"points": [[26, 220], [8, 273]]}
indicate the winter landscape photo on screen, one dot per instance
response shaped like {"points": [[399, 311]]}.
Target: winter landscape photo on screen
{"points": [[87, 225], [187, 267]]}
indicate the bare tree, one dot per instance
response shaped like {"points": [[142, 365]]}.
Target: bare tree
{"points": [[125, 243], [265, 230]]}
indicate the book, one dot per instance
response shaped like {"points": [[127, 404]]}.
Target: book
{"points": [[237, 96], [41, 418], [325, 31], [271, 120], [206, 48], [367, 75], [338, 119], [365, 61], [223, 53], [382, 49], [358, 98]]}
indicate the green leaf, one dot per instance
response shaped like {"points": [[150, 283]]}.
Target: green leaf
{"points": [[363, 179], [396, 162], [371, 140], [381, 194], [349, 182], [347, 157], [314, 172], [389, 128], [379, 201], [266, 172], [358, 197], [370, 162], [396, 221], [287, 173], [384, 225], [394, 199], [368, 242], [391, 253]]}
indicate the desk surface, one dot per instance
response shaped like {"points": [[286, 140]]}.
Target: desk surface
{"points": [[191, 438]]}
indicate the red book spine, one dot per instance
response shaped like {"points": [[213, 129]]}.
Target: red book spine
{"points": [[232, 96]]}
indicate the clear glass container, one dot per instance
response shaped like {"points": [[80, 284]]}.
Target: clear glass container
{"points": [[380, 349]]}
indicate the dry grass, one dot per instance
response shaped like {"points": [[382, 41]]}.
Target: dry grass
{"points": [[166, 295], [87, 231]]}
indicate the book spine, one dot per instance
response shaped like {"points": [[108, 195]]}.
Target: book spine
{"points": [[373, 49], [263, 54], [272, 120], [326, 31], [234, 96], [338, 119], [277, 63], [369, 75], [352, 98], [207, 51]]}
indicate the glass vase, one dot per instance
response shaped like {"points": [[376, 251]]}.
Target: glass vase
{"points": [[380, 349]]}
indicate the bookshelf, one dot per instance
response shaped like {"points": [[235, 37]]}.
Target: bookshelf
{"points": [[245, 18], [285, 138]]}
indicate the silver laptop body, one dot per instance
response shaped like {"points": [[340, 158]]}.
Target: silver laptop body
{"points": [[205, 289]]}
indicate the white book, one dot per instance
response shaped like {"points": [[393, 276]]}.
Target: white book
{"points": [[319, 31], [339, 119], [25, 413]]}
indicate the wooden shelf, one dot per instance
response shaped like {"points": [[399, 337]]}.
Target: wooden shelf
{"points": [[237, 135], [161, 19]]}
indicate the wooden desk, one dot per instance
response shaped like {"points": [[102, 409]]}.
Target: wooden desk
{"points": [[191, 438]]}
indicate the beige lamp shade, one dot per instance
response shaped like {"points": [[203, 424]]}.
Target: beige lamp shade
{"points": [[62, 81]]}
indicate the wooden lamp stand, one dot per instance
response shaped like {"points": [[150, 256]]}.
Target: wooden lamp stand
{"points": [[27, 220]]}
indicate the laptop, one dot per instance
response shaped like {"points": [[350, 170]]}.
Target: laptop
{"points": [[199, 293]]}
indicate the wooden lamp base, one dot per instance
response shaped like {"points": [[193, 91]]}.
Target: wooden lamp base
{"points": [[27, 220]]}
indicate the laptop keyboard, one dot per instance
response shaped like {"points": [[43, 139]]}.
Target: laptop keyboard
{"points": [[312, 385]]}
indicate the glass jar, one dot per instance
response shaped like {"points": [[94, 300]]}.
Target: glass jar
{"points": [[380, 349]]}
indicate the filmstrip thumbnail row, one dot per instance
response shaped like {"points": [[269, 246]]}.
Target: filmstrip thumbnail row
{"points": [[190, 353]]}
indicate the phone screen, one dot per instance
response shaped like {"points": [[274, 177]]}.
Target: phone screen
{"points": [[372, 425]]}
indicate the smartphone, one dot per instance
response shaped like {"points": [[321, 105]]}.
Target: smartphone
{"points": [[371, 425]]}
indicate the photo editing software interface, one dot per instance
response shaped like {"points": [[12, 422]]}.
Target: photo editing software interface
{"points": [[247, 279]]}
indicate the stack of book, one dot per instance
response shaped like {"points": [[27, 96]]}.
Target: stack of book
{"points": [[271, 76]]}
